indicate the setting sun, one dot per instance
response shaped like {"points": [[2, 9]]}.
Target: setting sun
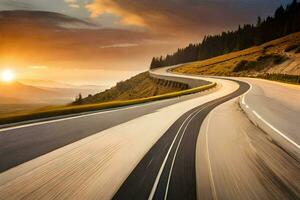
{"points": [[7, 76]]}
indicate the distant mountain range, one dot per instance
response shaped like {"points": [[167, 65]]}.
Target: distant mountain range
{"points": [[24, 93], [46, 83], [43, 92]]}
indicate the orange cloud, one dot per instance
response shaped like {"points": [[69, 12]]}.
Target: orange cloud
{"points": [[39, 67], [99, 7], [39, 39]]}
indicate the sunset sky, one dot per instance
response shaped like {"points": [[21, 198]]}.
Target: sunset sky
{"points": [[104, 41]]}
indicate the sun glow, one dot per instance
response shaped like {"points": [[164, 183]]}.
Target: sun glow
{"points": [[7, 76]]}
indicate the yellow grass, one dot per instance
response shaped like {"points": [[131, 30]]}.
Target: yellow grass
{"points": [[66, 110], [224, 65]]}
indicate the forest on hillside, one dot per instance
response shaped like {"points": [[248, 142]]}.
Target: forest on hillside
{"points": [[284, 21]]}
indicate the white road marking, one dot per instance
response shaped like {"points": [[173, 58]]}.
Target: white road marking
{"points": [[266, 122], [243, 98], [166, 158], [243, 102], [276, 130], [69, 118], [211, 178], [175, 154], [163, 165]]}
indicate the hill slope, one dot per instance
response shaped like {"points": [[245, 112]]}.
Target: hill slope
{"points": [[280, 56], [25, 92], [284, 21], [136, 87]]}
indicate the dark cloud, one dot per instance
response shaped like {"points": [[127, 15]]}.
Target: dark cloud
{"points": [[146, 28], [39, 18], [189, 18], [16, 4], [45, 38]]}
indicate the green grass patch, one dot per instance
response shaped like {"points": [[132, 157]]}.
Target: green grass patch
{"points": [[73, 109]]}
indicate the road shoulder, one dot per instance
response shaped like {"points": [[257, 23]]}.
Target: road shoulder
{"points": [[84, 169], [233, 153]]}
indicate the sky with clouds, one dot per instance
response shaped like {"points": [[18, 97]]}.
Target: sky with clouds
{"points": [[112, 35]]}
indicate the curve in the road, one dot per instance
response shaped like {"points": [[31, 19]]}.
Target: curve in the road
{"points": [[25, 142], [167, 171]]}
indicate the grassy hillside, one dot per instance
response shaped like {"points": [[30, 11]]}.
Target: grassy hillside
{"points": [[285, 21], [138, 89], [139, 86], [52, 111], [280, 56]]}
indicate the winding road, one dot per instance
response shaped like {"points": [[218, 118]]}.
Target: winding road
{"points": [[170, 163], [200, 146]]}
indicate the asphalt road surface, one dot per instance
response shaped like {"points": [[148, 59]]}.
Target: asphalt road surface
{"points": [[25, 142], [168, 170], [200, 146], [276, 108], [237, 160], [90, 167]]}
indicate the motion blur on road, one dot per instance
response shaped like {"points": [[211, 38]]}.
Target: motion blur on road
{"points": [[149, 100], [236, 141]]}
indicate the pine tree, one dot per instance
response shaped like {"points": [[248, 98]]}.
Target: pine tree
{"points": [[284, 22]]}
